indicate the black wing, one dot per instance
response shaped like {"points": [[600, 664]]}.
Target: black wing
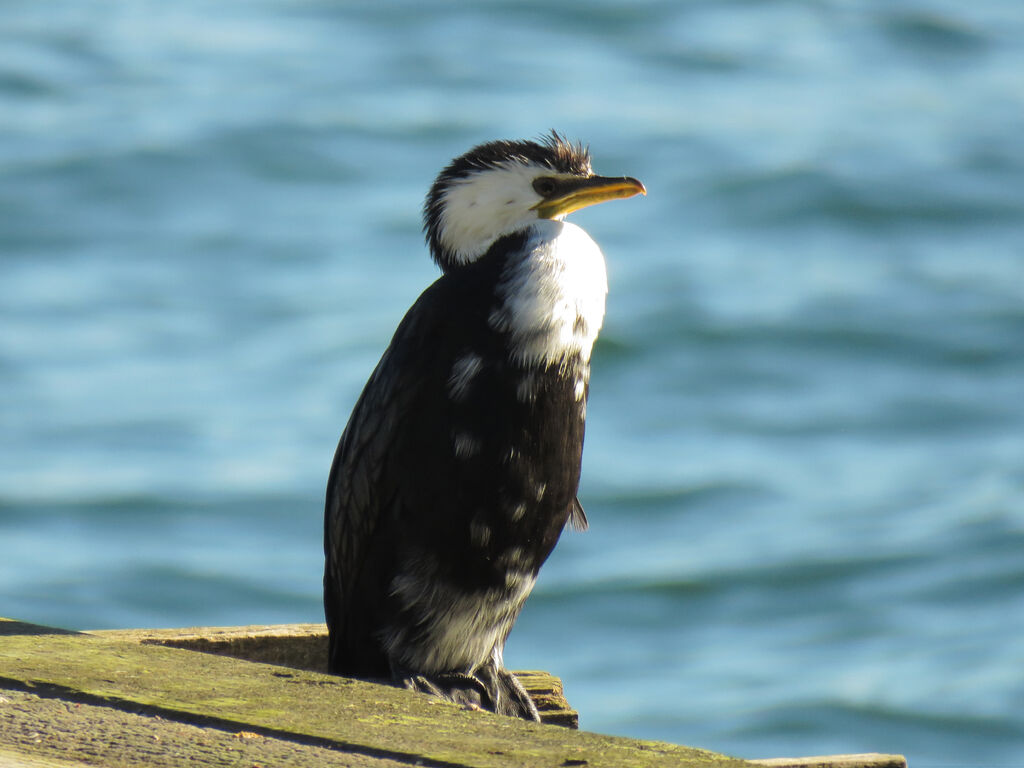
{"points": [[371, 481]]}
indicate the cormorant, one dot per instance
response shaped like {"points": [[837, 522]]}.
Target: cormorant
{"points": [[460, 463]]}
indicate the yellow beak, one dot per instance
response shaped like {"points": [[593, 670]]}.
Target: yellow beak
{"points": [[575, 192]]}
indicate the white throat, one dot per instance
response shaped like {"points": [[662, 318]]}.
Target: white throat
{"points": [[552, 298]]}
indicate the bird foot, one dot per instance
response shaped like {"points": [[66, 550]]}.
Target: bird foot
{"points": [[492, 690], [508, 695], [465, 690]]}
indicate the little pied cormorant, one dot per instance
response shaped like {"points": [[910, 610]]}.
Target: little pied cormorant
{"points": [[460, 463]]}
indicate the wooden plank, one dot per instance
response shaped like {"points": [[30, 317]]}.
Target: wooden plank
{"points": [[867, 760], [50, 732], [304, 646], [20, 759], [295, 709], [301, 646]]}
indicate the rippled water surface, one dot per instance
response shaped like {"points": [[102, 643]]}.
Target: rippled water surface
{"points": [[805, 451]]}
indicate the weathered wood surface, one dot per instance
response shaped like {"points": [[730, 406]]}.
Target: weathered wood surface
{"points": [[105, 701], [64, 732], [20, 759], [304, 646], [123, 698], [867, 760]]}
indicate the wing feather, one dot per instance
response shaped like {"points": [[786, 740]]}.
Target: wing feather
{"points": [[577, 517], [368, 487]]}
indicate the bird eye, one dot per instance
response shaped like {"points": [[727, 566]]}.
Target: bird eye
{"points": [[544, 186]]}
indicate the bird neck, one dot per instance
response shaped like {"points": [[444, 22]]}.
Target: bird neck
{"points": [[551, 295]]}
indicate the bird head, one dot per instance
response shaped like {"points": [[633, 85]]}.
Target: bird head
{"points": [[500, 187]]}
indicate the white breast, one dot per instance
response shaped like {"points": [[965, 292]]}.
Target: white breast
{"points": [[552, 298]]}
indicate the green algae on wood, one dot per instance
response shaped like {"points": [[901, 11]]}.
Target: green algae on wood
{"points": [[346, 716], [304, 646]]}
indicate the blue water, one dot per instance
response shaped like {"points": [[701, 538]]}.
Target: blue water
{"points": [[805, 453]]}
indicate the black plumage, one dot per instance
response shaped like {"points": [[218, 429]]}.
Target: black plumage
{"points": [[460, 463]]}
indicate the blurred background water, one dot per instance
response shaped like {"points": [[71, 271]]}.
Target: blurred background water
{"points": [[805, 452]]}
